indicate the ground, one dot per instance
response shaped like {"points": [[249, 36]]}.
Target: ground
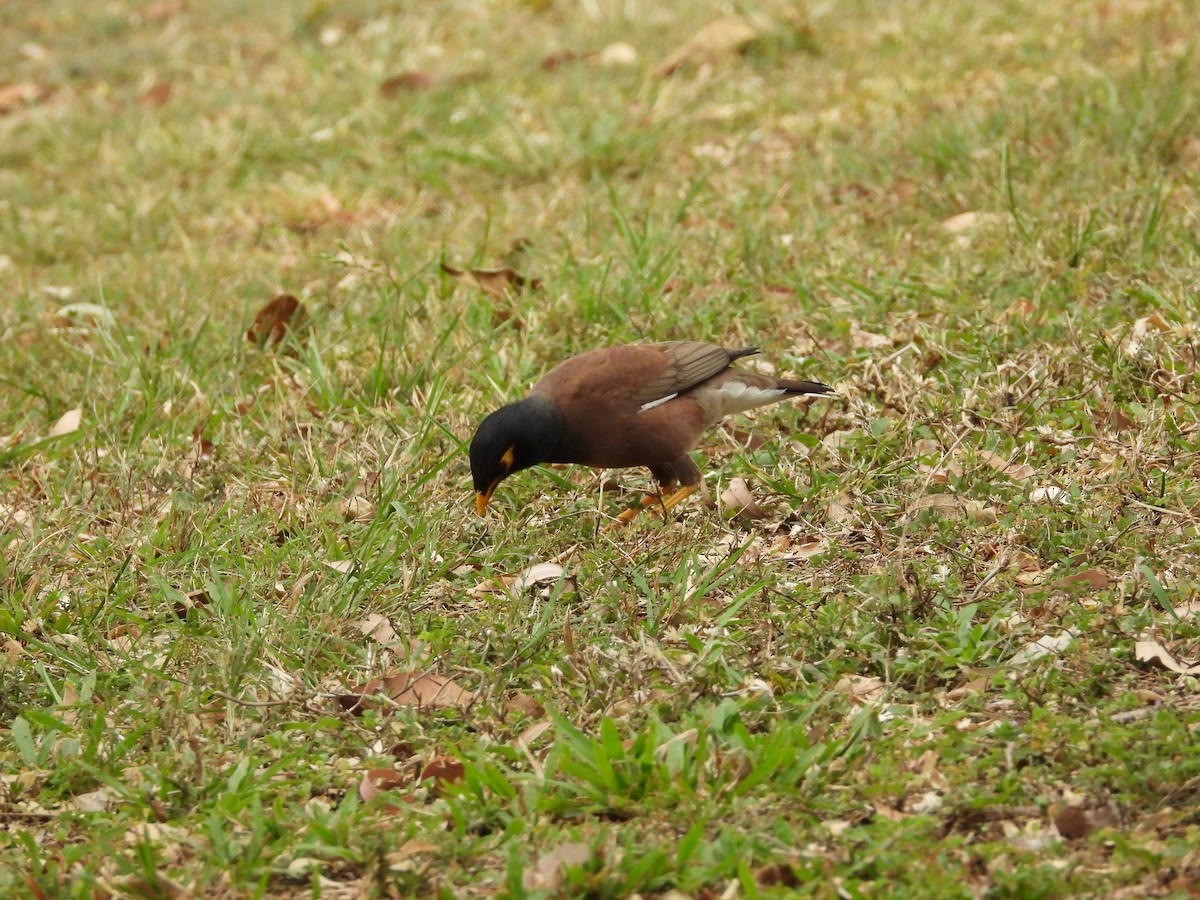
{"points": [[935, 637]]}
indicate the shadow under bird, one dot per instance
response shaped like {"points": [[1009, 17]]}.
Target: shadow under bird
{"points": [[635, 405]]}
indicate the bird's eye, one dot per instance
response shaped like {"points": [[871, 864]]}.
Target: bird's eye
{"points": [[507, 459]]}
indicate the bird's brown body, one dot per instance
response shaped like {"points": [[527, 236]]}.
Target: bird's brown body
{"points": [[636, 405]]}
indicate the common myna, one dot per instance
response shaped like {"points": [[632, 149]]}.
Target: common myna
{"points": [[638, 405]]}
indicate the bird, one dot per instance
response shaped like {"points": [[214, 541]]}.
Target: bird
{"points": [[625, 406]]}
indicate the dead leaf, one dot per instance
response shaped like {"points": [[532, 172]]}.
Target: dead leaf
{"points": [[776, 874], [868, 340], [970, 689], [421, 689], [94, 801], [493, 282], [1092, 580], [727, 35], [806, 547], [1142, 328], [156, 96], [618, 55], [81, 315], [861, 689], [67, 423], [969, 220], [1074, 822], [374, 781], [163, 887], [17, 94], [1155, 654], [162, 9], [560, 58], [191, 600], [539, 573], [547, 873], [523, 703], [379, 629], [202, 447], [840, 509], [405, 82], [887, 813], [401, 859], [1021, 309], [739, 502], [942, 504], [1049, 494], [281, 314], [442, 770], [1018, 472], [1044, 646], [526, 738], [357, 509]]}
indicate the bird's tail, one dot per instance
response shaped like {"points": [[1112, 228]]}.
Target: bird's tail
{"points": [[811, 388]]}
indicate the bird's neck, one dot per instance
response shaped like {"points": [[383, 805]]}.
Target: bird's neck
{"points": [[557, 443]]}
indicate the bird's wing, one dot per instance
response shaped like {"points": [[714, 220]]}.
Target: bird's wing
{"points": [[680, 365]]}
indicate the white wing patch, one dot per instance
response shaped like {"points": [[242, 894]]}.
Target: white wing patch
{"points": [[735, 397], [659, 402]]}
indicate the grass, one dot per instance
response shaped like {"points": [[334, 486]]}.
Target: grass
{"points": [[979, 221]]}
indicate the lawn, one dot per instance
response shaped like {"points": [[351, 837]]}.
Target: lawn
{"points": [[936, 637]]}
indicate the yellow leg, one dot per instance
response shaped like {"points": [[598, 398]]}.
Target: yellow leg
{"points": [[666, 503], [679, 496], [630, 514]]}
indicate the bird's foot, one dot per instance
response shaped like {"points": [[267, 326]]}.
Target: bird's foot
{"points": [[663, 503]]}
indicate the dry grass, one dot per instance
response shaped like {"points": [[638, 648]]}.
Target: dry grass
{"points": [[979, 222]]}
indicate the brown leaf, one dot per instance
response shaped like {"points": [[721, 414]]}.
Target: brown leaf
{"points": [[16, 94], [202, 447], [739, 501], [523, 703], [405, 82], [493, 282], [1092, 580], [776, 874], [401, 859], [442, 770], [942, 504], [1004, 467], [421, 689], [547, 873], [162, 9], [191, 600], [1155, 654], [376, 780], [1074, 822], [162, 887], [357, 509], [156, 96], [379, 629], [560, 58], [727, 35], [273, 321]]}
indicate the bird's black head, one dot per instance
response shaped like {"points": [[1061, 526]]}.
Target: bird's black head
{"points": [[513, 438]]}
